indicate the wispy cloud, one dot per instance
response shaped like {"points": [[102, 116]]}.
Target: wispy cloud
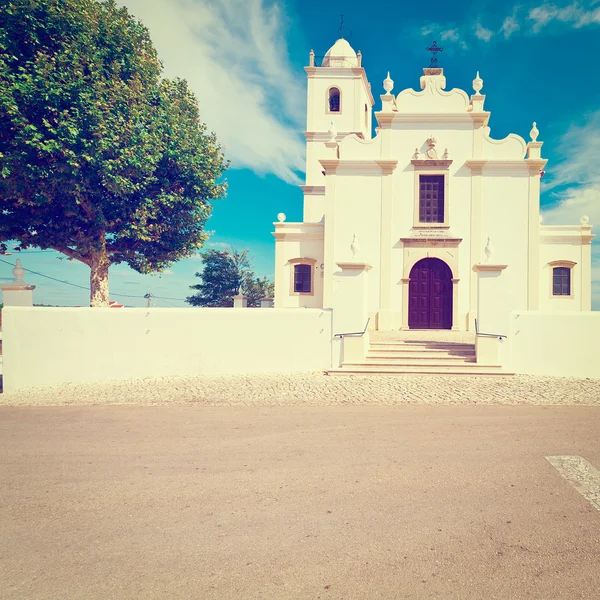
{"points": [[509, 26], [218, 245], [533, 19], [576, 15], [481, 33], [233, 54]]}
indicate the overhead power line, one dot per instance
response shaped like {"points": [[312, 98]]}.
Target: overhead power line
{"points": [[81, 287]]}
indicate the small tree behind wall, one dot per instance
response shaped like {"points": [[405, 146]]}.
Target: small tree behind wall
{"points": [[224, 273], [100, 158]]}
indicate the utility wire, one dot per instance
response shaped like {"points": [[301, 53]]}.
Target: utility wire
{"points": [[87, 288]]}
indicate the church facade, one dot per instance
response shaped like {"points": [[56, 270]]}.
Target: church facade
{"points": [[441, 220]]}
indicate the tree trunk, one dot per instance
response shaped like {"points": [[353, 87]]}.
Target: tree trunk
{"points": [[99, 281]]}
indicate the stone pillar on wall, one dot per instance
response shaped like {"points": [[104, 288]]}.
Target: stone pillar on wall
{"points": [[266, 302], [17, 292], [240, 301]]}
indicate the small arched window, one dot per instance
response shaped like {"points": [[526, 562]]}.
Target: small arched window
{"points": [[562, 278], [334, 100], [302, 279]]}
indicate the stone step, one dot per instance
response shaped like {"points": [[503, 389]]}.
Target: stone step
{"points": [[418, 364], [421, 346], [408, 360], [422, 354], [473, 369]]}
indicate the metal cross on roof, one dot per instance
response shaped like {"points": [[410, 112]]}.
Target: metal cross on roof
{"points": [[434, 49], [343, 29]]}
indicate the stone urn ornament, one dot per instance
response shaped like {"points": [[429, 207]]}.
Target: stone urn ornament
{"points": [[534, 132], [18, 272], [388, 84], [477, 84]]}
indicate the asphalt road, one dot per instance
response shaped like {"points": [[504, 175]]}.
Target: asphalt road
{"points": [[320, 502]]}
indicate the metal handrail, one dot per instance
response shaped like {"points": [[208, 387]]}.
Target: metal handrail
{"points": [[498, 335], [361, 333]]}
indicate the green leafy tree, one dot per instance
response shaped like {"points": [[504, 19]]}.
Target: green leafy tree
{"points": [[257, 288], [224, 273], [101, 158]]}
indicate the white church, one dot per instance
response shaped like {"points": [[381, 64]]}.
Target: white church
{"points": [[431, 223]]}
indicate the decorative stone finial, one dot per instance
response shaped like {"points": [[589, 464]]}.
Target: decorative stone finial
{"points": [[354, 246], [18, 272], [417, 154], [445, 156], [584, 220], [477, 84], [311, 62], [281, 217], [489, 250], [534, 133], [388, 84]]}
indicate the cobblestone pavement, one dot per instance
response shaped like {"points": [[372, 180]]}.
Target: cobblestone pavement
{"points": [[314, 389]]}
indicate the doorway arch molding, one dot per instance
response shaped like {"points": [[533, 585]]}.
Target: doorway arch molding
{"points": [[416, 249]]}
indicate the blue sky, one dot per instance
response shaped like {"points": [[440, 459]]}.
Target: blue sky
{"points": [[244, 60]]}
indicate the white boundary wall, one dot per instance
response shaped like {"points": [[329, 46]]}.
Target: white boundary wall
{"points": [[51, 346], [563, 344]]}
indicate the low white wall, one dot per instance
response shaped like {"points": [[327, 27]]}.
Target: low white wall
{"points": [[48, 346], [559, 343]]}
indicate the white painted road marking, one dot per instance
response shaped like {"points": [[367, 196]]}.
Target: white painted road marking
{"points": [[581, 474]]}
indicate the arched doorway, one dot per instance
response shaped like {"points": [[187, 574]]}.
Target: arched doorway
{"points": [[430, 295]]}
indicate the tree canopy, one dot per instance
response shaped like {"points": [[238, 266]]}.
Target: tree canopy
{"points": [[101, 158], [224, 273]]}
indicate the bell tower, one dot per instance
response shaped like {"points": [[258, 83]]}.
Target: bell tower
{"points": [[338, 94]]}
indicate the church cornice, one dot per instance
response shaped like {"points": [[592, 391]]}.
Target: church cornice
{"points": [[324, 136], [385, 167], [313, 190], [532, 166], [429, 239], [489, 268], [291, 231], [386, 120]]}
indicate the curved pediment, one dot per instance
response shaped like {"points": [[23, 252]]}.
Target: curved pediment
{"points": [[512, 147], [352, 147], [433, 98]]}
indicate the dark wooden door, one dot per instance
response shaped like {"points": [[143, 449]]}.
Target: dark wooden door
{"points": [[430, 295]]}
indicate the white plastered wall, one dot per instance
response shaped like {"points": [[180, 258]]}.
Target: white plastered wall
{"points": [[555, 343], [50, 346], [504, 220], [358, 210]]}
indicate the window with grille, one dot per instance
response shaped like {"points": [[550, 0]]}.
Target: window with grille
{"points": [[302, 278], [431, 198], [334, 100], [561, 281]]}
